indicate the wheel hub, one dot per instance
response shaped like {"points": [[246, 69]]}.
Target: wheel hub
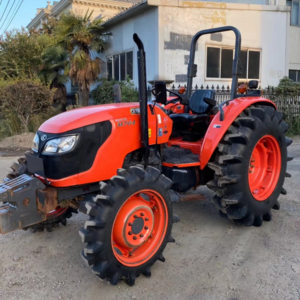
{"points": [[136, 221], [139, 227], [264, 167]]}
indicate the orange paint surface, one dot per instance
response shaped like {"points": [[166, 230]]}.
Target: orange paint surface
{"points": [[217, 128], [193, 164], [193, 146], [123, 139]]}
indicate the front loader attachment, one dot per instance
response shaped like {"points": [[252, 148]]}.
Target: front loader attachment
{"points": [[19, 209]]}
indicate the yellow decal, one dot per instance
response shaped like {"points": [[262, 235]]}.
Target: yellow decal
{"points": [[149, 130]]}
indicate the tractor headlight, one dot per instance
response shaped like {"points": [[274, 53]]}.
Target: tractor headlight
{"points": [[35, 143], [61, 145]]}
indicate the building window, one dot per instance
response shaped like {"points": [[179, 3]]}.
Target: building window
{"points": [[294, 75], [295, 11], [120, 65], [219, 63]]}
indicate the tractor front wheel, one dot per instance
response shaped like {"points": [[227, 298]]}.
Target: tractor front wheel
{"points": [[130, 224], [250, 166]]}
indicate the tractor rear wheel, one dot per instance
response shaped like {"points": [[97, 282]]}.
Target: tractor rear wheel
{"points": [[250, 166], [55, 217], [130, 224]]}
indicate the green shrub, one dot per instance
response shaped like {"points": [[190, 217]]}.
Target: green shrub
{"points": [[104, 92], [285, 96], [287, 87], [294, 123], [24, 105], [9, 125]]}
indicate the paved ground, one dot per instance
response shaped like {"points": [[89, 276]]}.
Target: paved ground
{"points": [[211, 259]]}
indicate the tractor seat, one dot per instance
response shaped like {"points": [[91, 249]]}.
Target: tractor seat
{"points": [[200, 108], [197, 103]]}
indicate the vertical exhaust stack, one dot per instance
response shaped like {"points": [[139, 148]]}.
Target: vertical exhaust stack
{"points": [[143, 95]]}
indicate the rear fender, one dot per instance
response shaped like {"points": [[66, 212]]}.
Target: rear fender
{"points": [[217, 128]]}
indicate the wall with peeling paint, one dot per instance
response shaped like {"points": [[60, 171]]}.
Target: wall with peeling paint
{"points": [[265, 30]]}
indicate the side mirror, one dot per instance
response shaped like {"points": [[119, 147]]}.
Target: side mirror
{"points": [[161, 92]]}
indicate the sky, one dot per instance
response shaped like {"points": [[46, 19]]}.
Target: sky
{"points": [[23, 16]]}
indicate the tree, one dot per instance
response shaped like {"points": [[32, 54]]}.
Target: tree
{"points": [[25, 98], [82, 38], [104, 92], [21, 53], [54, 62], [48, 27]]}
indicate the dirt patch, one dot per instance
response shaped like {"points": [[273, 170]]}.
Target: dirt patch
{"points": [[16, 145]]}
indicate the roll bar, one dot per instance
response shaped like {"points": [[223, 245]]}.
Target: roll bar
{"points": [[192, 68]]}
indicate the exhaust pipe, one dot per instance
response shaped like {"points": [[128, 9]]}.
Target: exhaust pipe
{"points": [[143, 96]]}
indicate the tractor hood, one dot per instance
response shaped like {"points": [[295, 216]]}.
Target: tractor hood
{"points": [[81, 117]]}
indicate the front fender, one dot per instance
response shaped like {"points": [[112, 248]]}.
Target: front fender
{"points": [[217, 128]]}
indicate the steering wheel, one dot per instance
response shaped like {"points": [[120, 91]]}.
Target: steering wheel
{"points": [[171, 92]]}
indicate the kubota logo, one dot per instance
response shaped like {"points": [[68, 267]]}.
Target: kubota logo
{"points": [[44, 137]]}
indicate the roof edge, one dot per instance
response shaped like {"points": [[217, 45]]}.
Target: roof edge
{"points": [[132, 11]]}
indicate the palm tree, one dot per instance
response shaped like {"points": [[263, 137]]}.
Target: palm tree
{"points": [[55, 61], [82, 38]]}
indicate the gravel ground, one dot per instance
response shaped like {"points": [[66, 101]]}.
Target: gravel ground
{"points": [[16, 145], [211, 259]]}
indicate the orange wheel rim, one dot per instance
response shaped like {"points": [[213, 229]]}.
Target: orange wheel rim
{"points": [[264, 168], [139, 228]]}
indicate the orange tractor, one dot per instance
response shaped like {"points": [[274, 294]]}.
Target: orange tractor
{"points": [[145, 155]]}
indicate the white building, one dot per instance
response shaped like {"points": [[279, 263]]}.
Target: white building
{"points": [[270, 42], [270, 37], [105, 9], [101, 8]]}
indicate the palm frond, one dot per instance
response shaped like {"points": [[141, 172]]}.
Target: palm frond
{"points": [[82, 37]]}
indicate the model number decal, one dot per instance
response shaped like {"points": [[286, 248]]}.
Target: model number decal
{"points": [[125, 123]]}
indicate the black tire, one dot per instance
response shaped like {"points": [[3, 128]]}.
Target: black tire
{"points": [[103, 210], [21, 168], [18, 169], [231, 166]]}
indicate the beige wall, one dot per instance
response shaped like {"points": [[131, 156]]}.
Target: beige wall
{"points": [[262, 27], [81, 9], [106, 13]]}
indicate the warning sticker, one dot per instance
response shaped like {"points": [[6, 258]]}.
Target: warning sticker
{"points": [[159, 119]]}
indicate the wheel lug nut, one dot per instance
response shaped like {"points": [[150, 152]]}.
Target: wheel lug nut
{"points": [[134, 237], [141, 235], [146, 219], [129, 224], [146, 227], [142, 214], [130, 233], [135, 216]]}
